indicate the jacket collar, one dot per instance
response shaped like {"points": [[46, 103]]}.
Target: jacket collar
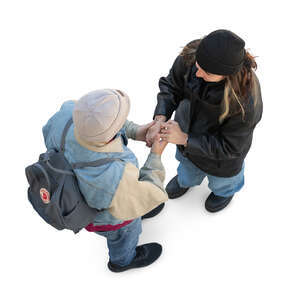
{"points": [[196, 82], [115, 145]]}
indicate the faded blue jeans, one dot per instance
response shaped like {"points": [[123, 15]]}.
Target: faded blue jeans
{"points": [[189, 175], [122, 242]]}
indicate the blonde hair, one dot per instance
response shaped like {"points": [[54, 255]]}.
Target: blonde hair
{"points": [[237, 87]]}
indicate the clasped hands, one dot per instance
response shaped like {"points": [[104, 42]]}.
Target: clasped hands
{"points": [[158, 134]]}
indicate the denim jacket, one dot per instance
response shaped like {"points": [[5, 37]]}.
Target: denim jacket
{"points": [[119, 189]]}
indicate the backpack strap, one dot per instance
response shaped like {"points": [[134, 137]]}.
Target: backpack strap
{"points": [[80, 165], [95, 163], [64, 134]]}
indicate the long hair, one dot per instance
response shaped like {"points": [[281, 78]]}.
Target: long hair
{"points": [[237, 87]]}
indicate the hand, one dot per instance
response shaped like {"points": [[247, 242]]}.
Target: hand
{"points": [[152, 133], [142, 131], [158, 145], [172, 133], [154, 130]]}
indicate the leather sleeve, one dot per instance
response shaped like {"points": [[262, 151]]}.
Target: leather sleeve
{"points": [[171, 89], [232, 141]]}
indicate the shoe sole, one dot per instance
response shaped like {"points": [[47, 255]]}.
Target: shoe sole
{"points": [[174, 196], [132, 266], [213, 210], [180, 193]]}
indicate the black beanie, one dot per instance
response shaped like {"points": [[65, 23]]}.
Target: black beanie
{"points": [[221, 52]]}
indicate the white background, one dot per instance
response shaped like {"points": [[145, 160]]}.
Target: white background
{"points": [[52, 51]]}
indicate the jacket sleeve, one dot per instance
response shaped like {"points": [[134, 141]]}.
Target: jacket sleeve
{"points": [[171, 89], [233, 139], [139, 191], [130, 129]]}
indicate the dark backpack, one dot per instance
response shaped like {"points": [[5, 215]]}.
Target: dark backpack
{"points": [[54, 192]]}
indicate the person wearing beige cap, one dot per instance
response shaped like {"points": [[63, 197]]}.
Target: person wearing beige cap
{"points": [[118, 189]]}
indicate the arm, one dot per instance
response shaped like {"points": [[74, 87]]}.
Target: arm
{"points": [[171, 90], [233, 140], [235, 134], [139, 191], [131, 129], [137, 132], [171, 93]]}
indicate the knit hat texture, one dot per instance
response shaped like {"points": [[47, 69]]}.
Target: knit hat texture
{"points": [[221, 52], [99, 115]]}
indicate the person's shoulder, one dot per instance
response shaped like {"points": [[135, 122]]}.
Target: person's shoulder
{"points": [[59, 119], [68, 105], [252, 109], [254, 100], [66, 110]]}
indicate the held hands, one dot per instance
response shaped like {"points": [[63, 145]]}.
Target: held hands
{"points": [[152, 133], [156, 144], [172, 133], [142, 132], [154, 130], [157, 134]]}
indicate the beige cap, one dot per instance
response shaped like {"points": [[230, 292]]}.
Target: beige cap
{"points": [[99, 115]]}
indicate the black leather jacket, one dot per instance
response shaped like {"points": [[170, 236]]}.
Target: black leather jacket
{"points": [[217, 149]]}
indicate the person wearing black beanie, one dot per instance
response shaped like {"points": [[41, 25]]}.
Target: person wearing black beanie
{"points": [[216, 95]]}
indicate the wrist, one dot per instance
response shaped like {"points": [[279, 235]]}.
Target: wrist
{"points": [[155, 152], [160, 118], [138, 133]]}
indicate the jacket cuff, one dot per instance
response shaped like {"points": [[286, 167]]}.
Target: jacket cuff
{"points": [[154, 161], [189, 145], [162, 111], [153, 170], [130, 129]]}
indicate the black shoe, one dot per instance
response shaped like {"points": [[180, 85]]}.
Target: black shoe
{"points": [[145, 255], [174, 190], [216, 203], [152, 213]]}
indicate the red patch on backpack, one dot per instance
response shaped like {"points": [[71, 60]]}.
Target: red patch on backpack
{"points": [[45, 196]]}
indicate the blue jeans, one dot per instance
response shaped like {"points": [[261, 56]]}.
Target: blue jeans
{"points": [[189, 175], [121, 243]]}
